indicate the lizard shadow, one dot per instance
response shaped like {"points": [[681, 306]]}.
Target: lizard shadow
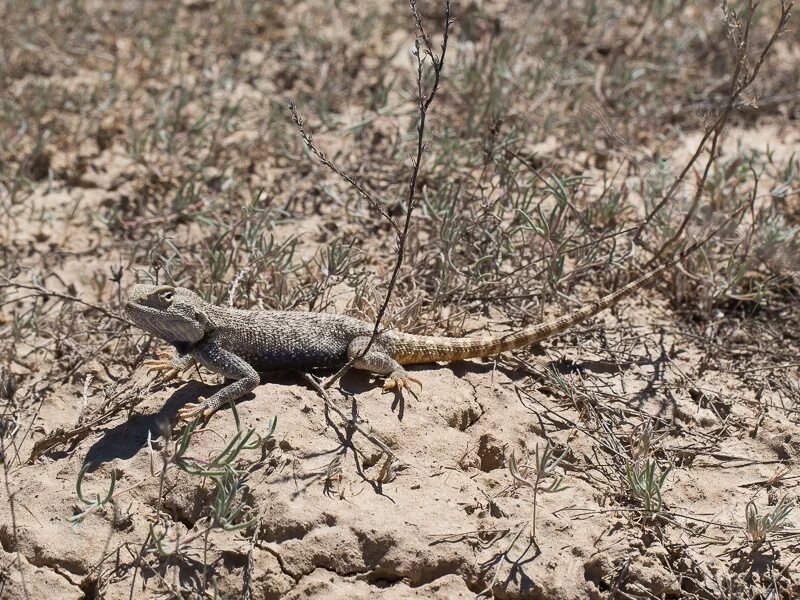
{"points": [[129, 437], [126, 439], [462, 367], [358, 382], [567, 366]]}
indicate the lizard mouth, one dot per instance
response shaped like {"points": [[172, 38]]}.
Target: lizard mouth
{"points": [[144, 316], [134, 310]]}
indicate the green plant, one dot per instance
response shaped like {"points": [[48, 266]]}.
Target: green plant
{"points": [[758, 526], [644, 480], [222, 469], [645, 483], [534, 473]]}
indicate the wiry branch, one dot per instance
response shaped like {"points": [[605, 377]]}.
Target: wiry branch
{"points": [[308, 138], [423, 48], [352, 422], [44, 292], [424, 103], [741, 79]]}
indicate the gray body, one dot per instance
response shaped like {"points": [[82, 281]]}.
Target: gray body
{"points": [[292, 340]]}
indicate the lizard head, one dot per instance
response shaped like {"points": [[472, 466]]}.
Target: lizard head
{"points": [[174, 314]]}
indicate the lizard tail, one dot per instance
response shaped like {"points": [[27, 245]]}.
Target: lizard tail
{"points": [[409, 349]]}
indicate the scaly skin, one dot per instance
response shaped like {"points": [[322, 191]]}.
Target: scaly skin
{"points": [[239, 343]]}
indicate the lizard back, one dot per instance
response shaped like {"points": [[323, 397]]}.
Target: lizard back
{"points": [[282, 339]]}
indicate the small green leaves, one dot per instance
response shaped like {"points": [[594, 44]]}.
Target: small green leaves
{"points": [[758, 526], [645, 484], [228, 477], [542, 467], [91, 504]]}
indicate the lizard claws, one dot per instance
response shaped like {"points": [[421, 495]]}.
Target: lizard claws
{"points": [[164, 367], [400, 381], [190, 411], [168, 368]]}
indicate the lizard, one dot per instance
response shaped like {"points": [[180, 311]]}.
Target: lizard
{"points": [[239, 344]]}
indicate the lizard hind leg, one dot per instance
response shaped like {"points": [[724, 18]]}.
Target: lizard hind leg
{"points": [[377, 360]]}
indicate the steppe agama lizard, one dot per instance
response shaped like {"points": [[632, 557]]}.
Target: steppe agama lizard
{"points": [[240, 343]]}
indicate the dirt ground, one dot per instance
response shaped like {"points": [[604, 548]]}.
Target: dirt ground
{"points": [[651, 452]]}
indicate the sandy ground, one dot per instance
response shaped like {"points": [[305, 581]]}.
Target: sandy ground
{"points": [[707, 393]]}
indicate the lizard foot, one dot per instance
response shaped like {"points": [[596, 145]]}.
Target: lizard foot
{"points": [[164, 367], [399, 380], [190, 411], [168, 368]]}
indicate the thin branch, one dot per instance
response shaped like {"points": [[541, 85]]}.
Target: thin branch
{"points": [[308, 138], [43, 291], [424, 103], [423, 48], [739, 83], [317, 386], [11, 505]]}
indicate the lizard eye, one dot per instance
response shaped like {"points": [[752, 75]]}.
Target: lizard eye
{"points": [[166, 296]]}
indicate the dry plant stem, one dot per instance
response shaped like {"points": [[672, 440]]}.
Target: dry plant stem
{"points": [[17, 444], [314, 383], [43, 291], [501, 560], [424, 100], [739, 83], [161, 480], [424, 103], [138, 560], [308, 139], [247, 588], [17, 553]]}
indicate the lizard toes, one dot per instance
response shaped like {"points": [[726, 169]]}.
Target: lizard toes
{"points": [[190, 411], [399, 382], [156, 364], [169, 375], [166, 370]]}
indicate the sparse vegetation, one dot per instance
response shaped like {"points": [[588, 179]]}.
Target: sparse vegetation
{"points": [[540, 468], [566, 150], [760, 526]]}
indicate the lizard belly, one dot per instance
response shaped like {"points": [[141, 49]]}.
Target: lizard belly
{"points": [[286, 348], [268, 359], [270, 340]]}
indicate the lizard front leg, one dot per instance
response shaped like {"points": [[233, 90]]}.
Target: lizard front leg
{"points": [[377, 360], [216, 359]]}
